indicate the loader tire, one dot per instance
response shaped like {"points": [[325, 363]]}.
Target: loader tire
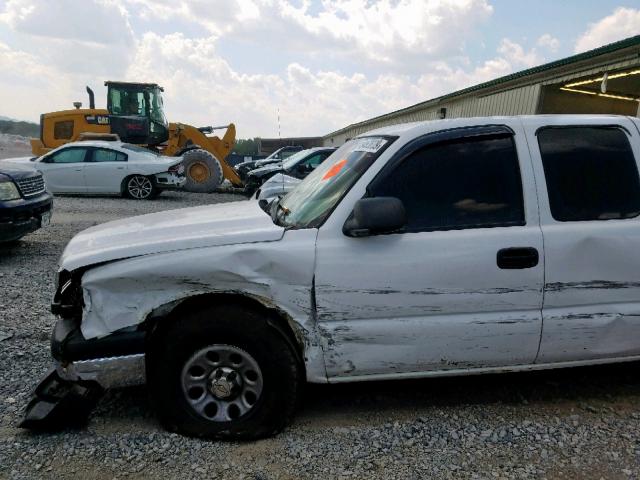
{"points": [[203, 171]]}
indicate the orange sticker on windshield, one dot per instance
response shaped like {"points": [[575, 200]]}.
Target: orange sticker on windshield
{"points": [[333, 171]]}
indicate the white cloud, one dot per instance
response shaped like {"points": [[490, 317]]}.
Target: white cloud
{"points": [[549, 42], [204, 89], [401, 33], [397, 52], [385, 29], [27, 86], [622, 23], [100, 22], [517, 56], [88, 37]]}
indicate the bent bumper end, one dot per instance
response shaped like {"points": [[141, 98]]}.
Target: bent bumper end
{"points": [[65, 397], [57, 404]]}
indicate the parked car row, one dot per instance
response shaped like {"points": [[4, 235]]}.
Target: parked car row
{"points": [[102, 167], [298, 165], [465, 246], [279, 155]]}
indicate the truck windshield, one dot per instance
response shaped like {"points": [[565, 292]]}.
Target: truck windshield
{"points": [[311, 202]]}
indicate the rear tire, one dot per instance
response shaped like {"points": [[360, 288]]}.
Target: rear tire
{"points": [[224, 373], [203, 171], [140, 187]]}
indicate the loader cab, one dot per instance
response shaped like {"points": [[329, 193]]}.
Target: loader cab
{"points": [[137, 113]]}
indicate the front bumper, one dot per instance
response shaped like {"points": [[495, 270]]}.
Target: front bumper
{"points": [[24, 217], [170, 180], [83, 371], [117, 360]]}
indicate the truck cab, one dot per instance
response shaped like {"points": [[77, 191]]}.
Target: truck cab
{"points": [[451, 247]]}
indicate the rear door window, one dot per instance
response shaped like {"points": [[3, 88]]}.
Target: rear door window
{"points": [[104, 155], [591, 173]]}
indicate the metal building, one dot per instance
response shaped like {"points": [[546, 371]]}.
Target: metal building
{"points": [[603, 80]]}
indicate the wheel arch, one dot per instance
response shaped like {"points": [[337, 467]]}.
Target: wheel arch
{"points": [[290, 331], [186, 148]]}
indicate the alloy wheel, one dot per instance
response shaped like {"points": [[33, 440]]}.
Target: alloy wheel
{"points": [[139, 187]]}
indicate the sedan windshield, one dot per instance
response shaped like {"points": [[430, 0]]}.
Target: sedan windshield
{"points": [[311, 202], [293, 159]]}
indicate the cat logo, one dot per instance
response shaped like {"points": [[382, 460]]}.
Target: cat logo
{"points": [[97, 119]]}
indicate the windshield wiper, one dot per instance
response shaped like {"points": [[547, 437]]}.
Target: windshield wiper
{"points": [[284, 209], [276, 207]]}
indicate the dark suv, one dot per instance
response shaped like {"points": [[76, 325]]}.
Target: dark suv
{"points": [[25, 204]]}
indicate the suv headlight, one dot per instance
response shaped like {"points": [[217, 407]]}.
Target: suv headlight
{"points": [[8, 191]]}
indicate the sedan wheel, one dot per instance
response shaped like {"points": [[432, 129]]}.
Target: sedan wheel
{"points": [[140, 187]]}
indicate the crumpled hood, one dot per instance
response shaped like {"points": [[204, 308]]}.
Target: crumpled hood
{"points": [[207, 226], [277, 185], [259, 172]]}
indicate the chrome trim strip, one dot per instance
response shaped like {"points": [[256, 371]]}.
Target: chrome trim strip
{"points": [[112, 372]]}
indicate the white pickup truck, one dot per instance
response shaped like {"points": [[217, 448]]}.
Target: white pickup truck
{"points": [[449, 247]]}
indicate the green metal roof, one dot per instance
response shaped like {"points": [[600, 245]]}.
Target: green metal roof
{"points": [[612, 47]]}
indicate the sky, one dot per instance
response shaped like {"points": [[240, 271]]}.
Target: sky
{"points": [[286, 68]]}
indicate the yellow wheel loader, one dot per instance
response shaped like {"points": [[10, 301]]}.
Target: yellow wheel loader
{"points": [[135, 114]]}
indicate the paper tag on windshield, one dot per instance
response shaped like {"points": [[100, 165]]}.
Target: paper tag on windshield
{"points": [[370, 145]]}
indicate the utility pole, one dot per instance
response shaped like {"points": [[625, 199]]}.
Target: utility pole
{"points": [[279, 137]]}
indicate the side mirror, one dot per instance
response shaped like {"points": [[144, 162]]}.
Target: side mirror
{"points": [[376, 215]]}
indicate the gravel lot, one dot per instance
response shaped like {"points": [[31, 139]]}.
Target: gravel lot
{"points": [[578, 423]]}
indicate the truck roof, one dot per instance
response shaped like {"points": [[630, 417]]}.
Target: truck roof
{"points": [[415, 128]]}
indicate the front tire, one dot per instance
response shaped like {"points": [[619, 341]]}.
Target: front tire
{"points": [[140, 187], [223, 373]]}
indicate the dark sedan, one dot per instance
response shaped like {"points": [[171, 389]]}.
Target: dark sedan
{"points": [[25, 204], [298, 165]]}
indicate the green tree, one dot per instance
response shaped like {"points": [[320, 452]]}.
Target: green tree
{"points": [[248, 146], [26, 129]]}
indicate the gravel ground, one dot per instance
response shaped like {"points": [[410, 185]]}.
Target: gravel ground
{"points": [[577, 423]]}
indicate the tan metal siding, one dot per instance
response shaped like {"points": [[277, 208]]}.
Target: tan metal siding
{"points": [[515, 101]]}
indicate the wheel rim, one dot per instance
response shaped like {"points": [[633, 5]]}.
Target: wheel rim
{"points": [[199, 172], [221, 383], [139, 187]]}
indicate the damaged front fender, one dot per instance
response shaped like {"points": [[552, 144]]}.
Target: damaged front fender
{"points": [[279, 274]]}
